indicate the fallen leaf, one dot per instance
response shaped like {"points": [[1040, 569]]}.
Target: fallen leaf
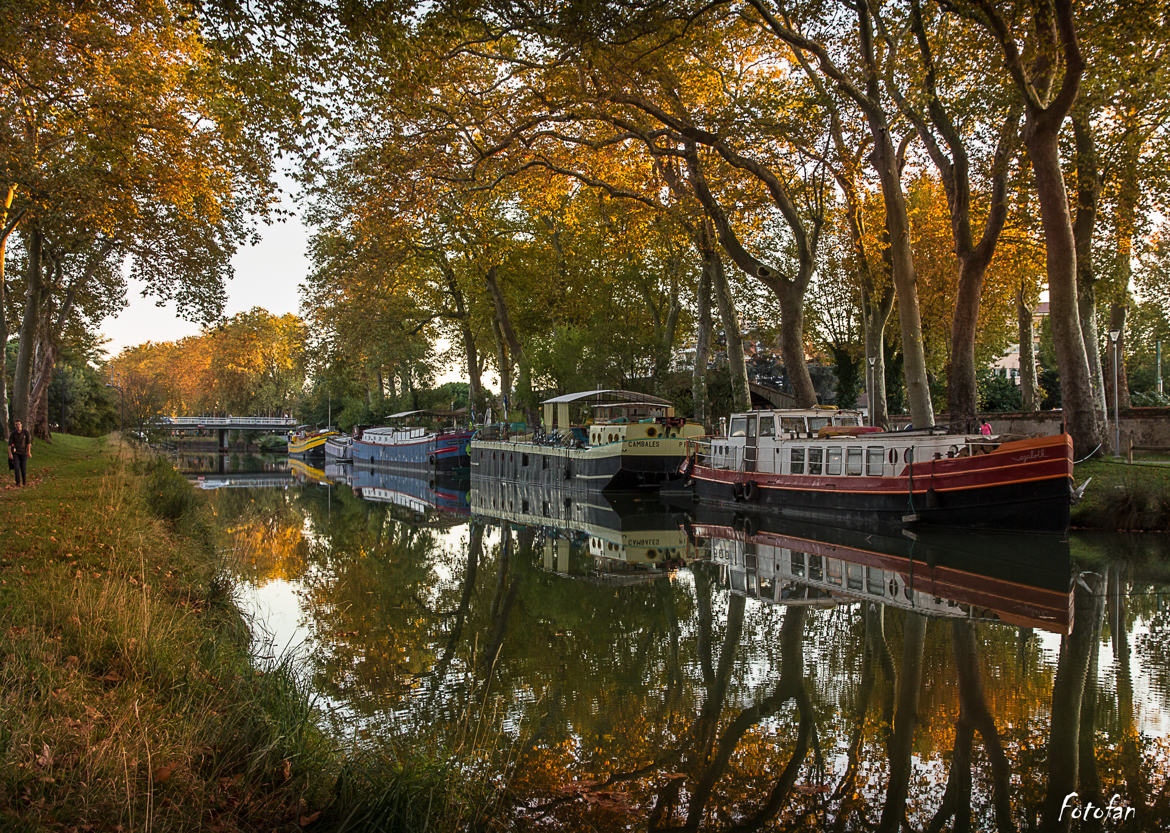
{"points": [[305, 821], [163, 773]]}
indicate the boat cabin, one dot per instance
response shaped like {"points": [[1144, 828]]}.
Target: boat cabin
{"points": [[806, 422], [825, 442], [602, 416]]}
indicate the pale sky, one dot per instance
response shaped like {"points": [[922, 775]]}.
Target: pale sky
{"points": [[266, 275]]}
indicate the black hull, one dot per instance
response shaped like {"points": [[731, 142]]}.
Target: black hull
{"points": [[573, 469], [1041, 506]]}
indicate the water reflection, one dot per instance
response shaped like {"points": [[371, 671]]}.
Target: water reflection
{"points": [[746, 676]]}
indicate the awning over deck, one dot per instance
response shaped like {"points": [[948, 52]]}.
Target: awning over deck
{"points": [[615, 395]]}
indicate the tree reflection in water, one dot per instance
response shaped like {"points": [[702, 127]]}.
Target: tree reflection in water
{"points": [[666, 701]]}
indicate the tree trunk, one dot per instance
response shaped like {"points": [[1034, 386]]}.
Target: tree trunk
{"points": [[741, 397], [877, 314], [8, 224], [504, 318], [470, 353], [666, 339], [1028, 385], [905, 278], [1081, 408], [1084, 225], [504, 365], [791, 299], [22, 376], [962, 397], [702, 347], [45, 360]]}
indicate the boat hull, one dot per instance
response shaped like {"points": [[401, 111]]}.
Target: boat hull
{"points": [[309, 448], [1023, 485], [432, 454], [337, 449]]}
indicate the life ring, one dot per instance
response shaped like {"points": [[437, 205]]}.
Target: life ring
{"points": [[953, 451], [749, 526], [750, 492], [737, 490]]}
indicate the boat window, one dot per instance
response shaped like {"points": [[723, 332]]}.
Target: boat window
{"points": [[738, 581], [796, 460], [767, 588], [875, 581], [751, 426], [767, 425], [875, 457], [738, 427], [832, 461], [814, 460], [817, 423], [792, 425], [814, 568], [853, 461], [854, 578], [833, 572], [797, 559]]}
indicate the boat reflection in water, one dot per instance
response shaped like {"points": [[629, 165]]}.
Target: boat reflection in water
{"points": [[1022, 580], [588, 533], [420, 496], [305, 472]]}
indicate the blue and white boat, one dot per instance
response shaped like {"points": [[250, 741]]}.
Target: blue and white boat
{"points": [[412, 448]]}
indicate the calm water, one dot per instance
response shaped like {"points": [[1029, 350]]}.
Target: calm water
{"points": [[640, 666]]}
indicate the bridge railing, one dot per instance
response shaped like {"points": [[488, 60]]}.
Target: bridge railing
{"points": [[223, 422]]}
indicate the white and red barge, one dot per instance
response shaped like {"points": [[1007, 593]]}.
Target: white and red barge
{"points": [[824, 465]]}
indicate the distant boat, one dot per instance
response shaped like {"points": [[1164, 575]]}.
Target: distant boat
{"points": [[308, 443], [824, 465], [338, 448], [626, 440], [420, 443]]}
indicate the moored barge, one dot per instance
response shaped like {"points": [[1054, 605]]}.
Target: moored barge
{"points": [[414, 448], [309, 444], [824, 465], [629, 440]]}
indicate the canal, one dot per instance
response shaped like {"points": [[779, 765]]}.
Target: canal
{"points": [[643, 665]]}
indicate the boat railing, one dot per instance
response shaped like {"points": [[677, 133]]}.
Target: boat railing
{"points": [[699, 453]]}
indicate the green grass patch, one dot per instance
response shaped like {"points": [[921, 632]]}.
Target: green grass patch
{"points": [[1123, 496], [131, 698]]}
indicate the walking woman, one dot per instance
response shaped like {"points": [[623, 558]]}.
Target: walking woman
{"points": [[19, 450]]}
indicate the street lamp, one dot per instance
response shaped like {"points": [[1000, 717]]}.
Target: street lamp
{"points": [[1114, 336]]}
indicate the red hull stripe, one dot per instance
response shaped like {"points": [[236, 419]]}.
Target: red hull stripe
{"points": [[949, 475]]}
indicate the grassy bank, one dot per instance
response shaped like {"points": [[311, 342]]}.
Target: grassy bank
{"points": [[131, 700], [1123, 496]]}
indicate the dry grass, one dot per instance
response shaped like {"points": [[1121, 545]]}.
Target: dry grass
{"points": [[130, 698]]}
